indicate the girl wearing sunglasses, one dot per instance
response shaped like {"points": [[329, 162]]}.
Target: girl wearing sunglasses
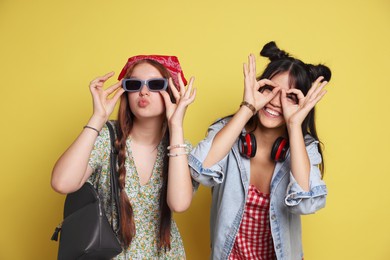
{"points": [[265, 162], [151, 147]]}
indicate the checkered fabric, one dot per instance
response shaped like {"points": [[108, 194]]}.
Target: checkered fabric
{"points": [[254, 238]]}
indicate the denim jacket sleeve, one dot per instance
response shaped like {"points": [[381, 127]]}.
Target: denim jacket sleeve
{"points": [[308, 202], [207, 176]]}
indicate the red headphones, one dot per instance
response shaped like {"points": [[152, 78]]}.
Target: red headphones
{"points": [[247, 145]]}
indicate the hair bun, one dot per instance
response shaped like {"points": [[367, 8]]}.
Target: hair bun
{"points": [[316, 71], [271, 51]]}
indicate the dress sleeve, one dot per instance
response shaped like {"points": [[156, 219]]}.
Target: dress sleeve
{"points": [[308, 202], [215, 174], [100, 154]]}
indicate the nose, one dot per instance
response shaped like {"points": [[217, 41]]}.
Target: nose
{"points": [[276, 100], [144, 90]]}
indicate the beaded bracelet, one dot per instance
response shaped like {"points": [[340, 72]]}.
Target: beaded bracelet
{"points": [[177, 146], [90, 127], [177, 154], [248, 105]]}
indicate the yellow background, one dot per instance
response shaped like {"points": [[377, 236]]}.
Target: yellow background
{"points": [[50, 50]]}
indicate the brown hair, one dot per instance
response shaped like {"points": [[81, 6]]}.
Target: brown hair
{"points": [[124, 125]]}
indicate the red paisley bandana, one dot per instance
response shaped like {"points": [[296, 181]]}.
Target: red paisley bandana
{"points": [[171, 63]]}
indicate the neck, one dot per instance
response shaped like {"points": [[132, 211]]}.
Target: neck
{"points": [[266, 137], [148, 131]]}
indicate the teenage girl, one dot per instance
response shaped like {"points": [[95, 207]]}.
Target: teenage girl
{"points": [[154, 177], [264, 163]]}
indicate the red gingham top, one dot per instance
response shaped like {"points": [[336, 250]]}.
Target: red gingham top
{"points": [[254, 238]]}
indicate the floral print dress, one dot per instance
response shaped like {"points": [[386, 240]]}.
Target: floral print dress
{"points": [[143, 198]]}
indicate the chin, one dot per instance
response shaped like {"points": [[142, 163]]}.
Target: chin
{"points": [[272, 123]]}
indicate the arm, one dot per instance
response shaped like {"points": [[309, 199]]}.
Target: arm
{"points": [[179, 194], [306, 192], [225, 138], [72, 170], [300, 201], [294, 116]]}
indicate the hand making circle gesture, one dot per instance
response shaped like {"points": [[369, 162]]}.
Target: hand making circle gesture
{"points": [[294, 114], [252, 95]]}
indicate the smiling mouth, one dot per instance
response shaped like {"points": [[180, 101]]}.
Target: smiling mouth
{"points": [[271, 112]]}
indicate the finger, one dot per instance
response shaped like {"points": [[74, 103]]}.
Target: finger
{"points": [[311, 103], [283, 98], [174, 90], [189, 88], [117, 95], [252, 64], [245, 69], [271, 95], [187, 101], [103, 78], [181, 84], [96, 86], [320, 88], [108, 75], [192, 97], [297, 92], [317, 90], [319, 97], [264, 82], [314, 85], [112, 88], [166, 97]]}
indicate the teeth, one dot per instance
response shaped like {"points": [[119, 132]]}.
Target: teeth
{"points": [[272, 112]]}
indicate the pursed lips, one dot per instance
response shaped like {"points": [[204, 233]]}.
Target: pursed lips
{"points": [[143, 102]]}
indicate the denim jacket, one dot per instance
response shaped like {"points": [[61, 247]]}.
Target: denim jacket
{"points": [[229, 179]]}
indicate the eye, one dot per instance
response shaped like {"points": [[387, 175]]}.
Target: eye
{"points": [[292, 97], [266, 89]]}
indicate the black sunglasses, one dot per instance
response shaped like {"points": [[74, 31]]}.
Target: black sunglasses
{"points": [[134, 85]]}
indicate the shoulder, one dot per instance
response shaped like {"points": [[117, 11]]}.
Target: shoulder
{"points": [[104, 134], [104, 138], [220, 123], [111, 124], [312, 148], [310, 140]]}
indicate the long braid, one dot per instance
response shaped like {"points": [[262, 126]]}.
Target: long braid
{"points": [[127, 216], [166, 214]]}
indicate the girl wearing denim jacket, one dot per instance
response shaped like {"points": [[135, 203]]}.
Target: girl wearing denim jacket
{"points": [[264, 163]]}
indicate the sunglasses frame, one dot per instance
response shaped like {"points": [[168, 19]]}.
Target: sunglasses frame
{"points": [[144, 82]]}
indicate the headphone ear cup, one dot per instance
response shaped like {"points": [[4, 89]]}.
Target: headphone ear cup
{"points": [[242, 145], [253, 145], [247, 145], [279, 149]]}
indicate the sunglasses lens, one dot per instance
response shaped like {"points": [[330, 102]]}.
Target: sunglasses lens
{"points": [[157, 84], [132, 85]]}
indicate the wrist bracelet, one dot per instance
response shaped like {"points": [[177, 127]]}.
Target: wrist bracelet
{"points": [[177, 146], [177, 154], [248, 105], [90, 127]]}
